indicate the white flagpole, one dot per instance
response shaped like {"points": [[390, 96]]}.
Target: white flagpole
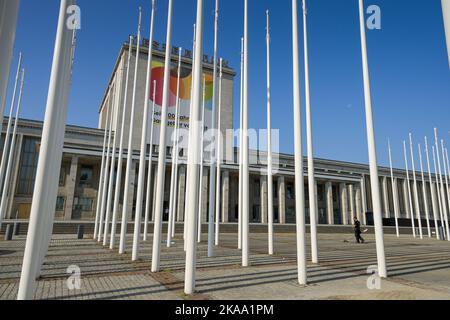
{"points": [[394, 192], [8, 23], [193, 158], [433, 191], [375, 183], [186, 217], [269, 143], [245, 147], [8, 129], [177, 160], [102, 170], [214, 126], [446, 15], [448, 173], [299, 177], [120, 156], [241, 148], [174, 177], [311, 178], [106, 181], [424, 192], [110, 199], [160, 178], [202, 144], [441, 204], [150, 165], [446, 186], [50, 155], [411, 207], [128, 178], [142, 156], [443, 197], [219, 157], [416, 192], [6, 185]]}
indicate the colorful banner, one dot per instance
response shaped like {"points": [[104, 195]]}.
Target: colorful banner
{"points": [[185, 98]]}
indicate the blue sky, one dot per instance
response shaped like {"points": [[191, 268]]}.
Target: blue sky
{"points": [[408, 61]]}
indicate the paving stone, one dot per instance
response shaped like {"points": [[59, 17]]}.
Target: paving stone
{"points": [[418, 269]]}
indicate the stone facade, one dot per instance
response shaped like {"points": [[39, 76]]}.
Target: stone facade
{"points": [[343, 189]]}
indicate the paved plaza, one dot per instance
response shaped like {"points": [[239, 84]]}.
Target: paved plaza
{"points": [[419, 269]]}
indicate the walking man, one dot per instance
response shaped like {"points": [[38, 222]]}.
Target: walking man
{"points": [[358, 232]]}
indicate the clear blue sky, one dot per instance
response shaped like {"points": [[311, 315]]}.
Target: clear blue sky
{"points": [[409, 66]]}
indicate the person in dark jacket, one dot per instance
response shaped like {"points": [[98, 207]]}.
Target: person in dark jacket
{"points": [[358, 232]]}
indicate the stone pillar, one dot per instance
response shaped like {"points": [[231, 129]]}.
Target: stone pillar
{"points": [[358, 202], [387, 212], [406, 199], [330, 202], [316, 192], [234, 193], [15, 174], [205, 195], [363, 200], [344, 202], [264, 200], [282, 200], [131, 191], [226, 196], [70, 187], [395, 198], [351, 192], [155, 182], [181, 198]]}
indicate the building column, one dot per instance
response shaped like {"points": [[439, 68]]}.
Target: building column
{"points": [[282, 200], [358, 202], [70, 185], [205, 195], [351, 192], [131, 191], [344, 202], [395, 198], [264, 200], [330, 202], [234, 193], [155, 182], [387, 212], [225, 196], [16, 167], [406, 198], [181, 193], [363, 200], [316, 193]]}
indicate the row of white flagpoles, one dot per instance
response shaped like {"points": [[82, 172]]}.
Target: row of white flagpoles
{"points": [[439, 188], [42, 213]]}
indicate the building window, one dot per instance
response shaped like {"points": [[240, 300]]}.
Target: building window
{"points": [[257, 189], [320, 192], [60, 203], [86, 174], [83, 204], [290, 191], [28, 166], [62, 177], [275, 190]]}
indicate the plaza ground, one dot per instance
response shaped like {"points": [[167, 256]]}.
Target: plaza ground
{"points": [[418, 269]]}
